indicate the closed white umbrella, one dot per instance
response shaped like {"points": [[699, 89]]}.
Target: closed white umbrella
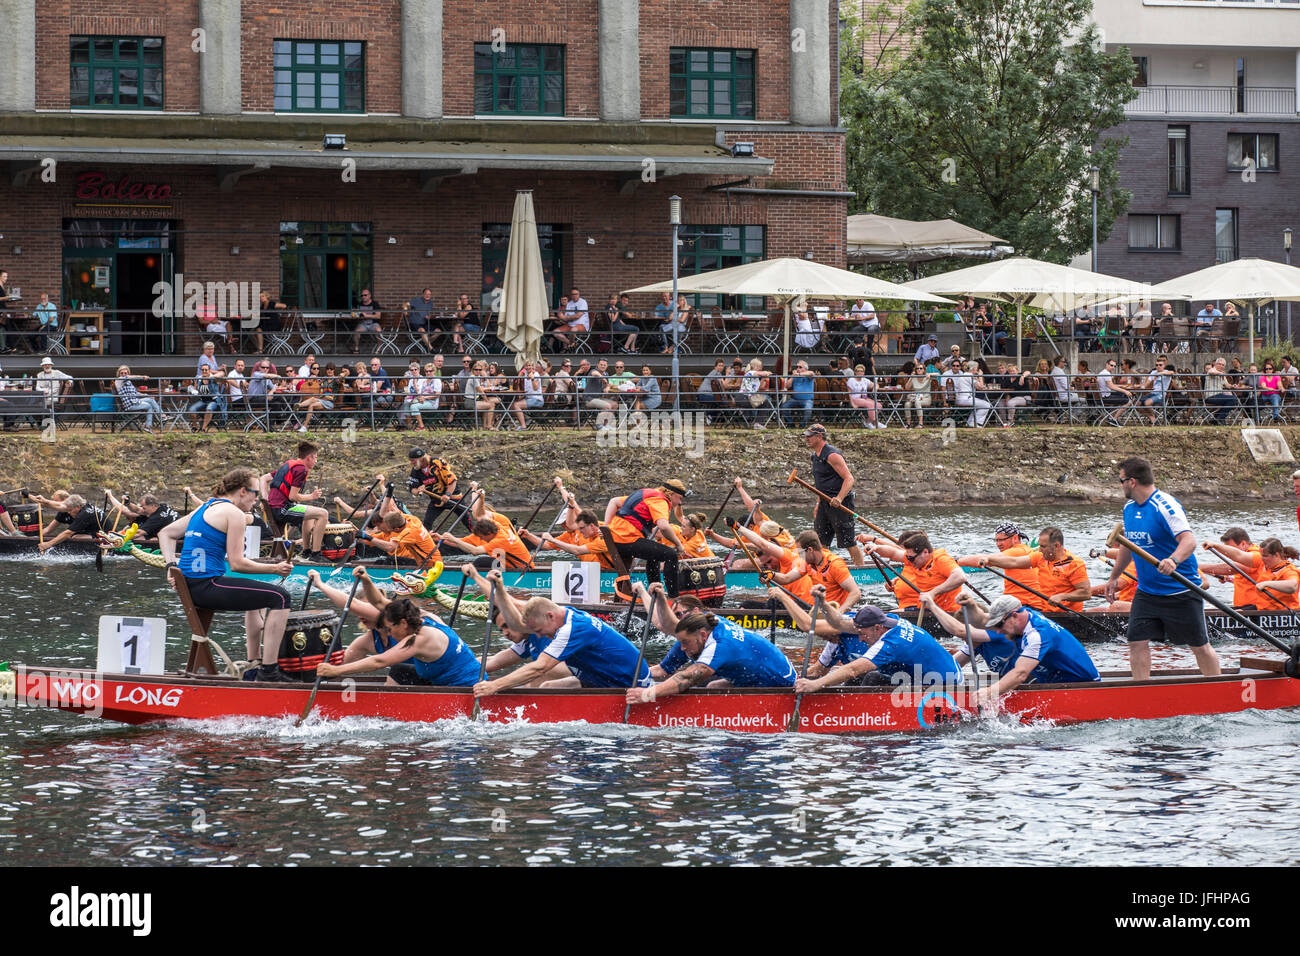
{"points": [[1032, 282], [788, 279], [523, 305]]}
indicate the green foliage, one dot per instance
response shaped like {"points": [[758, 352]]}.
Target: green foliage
{"points": [[1270, 350], [992, 118]]}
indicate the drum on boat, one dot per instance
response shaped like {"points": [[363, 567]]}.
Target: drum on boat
{"points": [[27, 519], [307, 635], [705, 578], [338, 540]]}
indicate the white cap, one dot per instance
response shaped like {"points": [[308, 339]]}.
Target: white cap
{"points": [[47, 361]]}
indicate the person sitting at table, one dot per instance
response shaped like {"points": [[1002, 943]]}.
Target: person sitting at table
{"points": [[530, 394], [682, 326], [808, 329], [477, 398], [418, 315], [622, 322], [129, 398], [317, 395], [647, 392], [800, 386], [368, 313], [861, 386], [209, 397]]}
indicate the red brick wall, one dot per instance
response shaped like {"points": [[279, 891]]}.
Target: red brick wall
{"points": [[574, 24], [56, 20], [762, 25], [376, 22]]}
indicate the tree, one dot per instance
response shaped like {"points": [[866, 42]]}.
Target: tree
{"points": [[992, 117]]}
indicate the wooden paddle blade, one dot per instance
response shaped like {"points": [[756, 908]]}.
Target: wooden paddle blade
{"points": [[794, 473], [1116, 535]]}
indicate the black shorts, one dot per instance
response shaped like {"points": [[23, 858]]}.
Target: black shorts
{"points": [[832, 524], [1169, 618], [289, 514], [405, 673], [237, 594]]}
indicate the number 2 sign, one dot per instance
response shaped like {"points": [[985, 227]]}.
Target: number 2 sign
{"points": [[575, 582]]}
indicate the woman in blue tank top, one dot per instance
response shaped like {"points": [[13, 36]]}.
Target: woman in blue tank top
{"points": [[427, 651]]}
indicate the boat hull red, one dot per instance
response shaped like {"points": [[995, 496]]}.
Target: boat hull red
{"points": [[135, 700]]}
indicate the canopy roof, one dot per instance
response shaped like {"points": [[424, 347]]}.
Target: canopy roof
{"points": [[882, 239]]}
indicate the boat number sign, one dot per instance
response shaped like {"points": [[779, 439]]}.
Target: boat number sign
{"points": [[575, 582], [132, 645]]}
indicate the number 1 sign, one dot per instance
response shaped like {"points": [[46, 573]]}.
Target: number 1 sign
{"points": [[132, 645]]}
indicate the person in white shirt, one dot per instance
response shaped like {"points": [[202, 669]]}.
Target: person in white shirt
{"points": [[304, 370], [861, 386], [50, 381], [577, 319], [1061, 382], [808, 330], [964, 383]]}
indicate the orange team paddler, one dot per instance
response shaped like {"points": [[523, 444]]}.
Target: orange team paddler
{"points": [[1123, 602], [403, 536], [755, 506], [1238, 549], [1061, 576], [491, 532], [1011, 545], [634, 519], [788, 567], [691, 532], [829, 570], [1283, 576], [589, 541], [933, 572]]}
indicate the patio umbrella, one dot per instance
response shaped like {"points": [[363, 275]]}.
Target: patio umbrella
{"points": [[1032, 282], [882, 239], [788, 279], [523, 305], [1251, 282]]}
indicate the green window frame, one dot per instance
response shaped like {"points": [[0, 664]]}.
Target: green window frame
{"points": [[707, 248], [329, 267], [319, 76], [708, 83], [115, 73], [524, 79]]}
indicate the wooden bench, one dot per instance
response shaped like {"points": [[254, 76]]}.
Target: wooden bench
{"points": [[200, 660]]}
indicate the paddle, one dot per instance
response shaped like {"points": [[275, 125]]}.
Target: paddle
{"points": [[338, 632], [1043, 597], [545, 498], [645, 635], [721, 507], [532, 554], [885, 572], [970, 645], [1238, 568], [731, 555], [356, 538], [807, 656], [460, 592], [794, 479], [99, 520], [458, 509], [1117, 537], [487, 637]]}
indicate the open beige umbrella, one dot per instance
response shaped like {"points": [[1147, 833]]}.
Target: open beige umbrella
{"points": [[874, 238], [523, 306], [788, 279], [1032, 282], [1252, 282]]}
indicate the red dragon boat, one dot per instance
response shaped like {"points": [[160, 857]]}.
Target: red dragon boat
{"points": [[1257, 684]]}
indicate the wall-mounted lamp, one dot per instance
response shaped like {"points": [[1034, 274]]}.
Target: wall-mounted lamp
{"points": [[428, 253], [18, 250], [629, 254], [335, 141], [392, 240], [234, 250]]}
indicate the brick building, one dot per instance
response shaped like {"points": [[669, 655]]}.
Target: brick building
{"points": [[187, 136]]}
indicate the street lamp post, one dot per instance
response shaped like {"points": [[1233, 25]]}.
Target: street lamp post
{"points": [[1095, 174], [1286, 245], [675, 220]]}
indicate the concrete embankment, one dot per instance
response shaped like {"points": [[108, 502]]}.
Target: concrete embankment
{"points": [[895, 468]]}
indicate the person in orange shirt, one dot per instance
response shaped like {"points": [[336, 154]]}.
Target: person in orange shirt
{"points": [[933, 572], [1245, 557], [404, 536], [1127, 588], [490, 535], [633, 520], [1283, 576], [829, 570], [755, 521], [1011, 546], [787, 567], [691, 533], [590, 541], [1061, 576]]}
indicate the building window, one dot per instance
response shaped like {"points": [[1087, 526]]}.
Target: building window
{"points": [[324, 265], [116, 73], [496, 243], [1154, 233], [1252, 151], [1140, 77], [1179, 162], [708, 248], [1241, 84], [711, 84], [320, 77], [1225, 235], [523, 79]]}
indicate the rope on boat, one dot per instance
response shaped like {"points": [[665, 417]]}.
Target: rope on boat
{"points": [[476, 607], [233, 668]]}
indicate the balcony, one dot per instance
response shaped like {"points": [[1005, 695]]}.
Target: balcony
{"points": [[1217, 100]]}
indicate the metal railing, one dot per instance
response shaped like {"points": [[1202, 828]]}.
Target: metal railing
{"points": [[1132, 397], [1177, 100]]}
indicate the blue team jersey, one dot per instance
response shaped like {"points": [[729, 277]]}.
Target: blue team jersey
{"points": [[997, 652], [1155, 526], [530, 648], [595, 653], [203, 552], [844, 651], [749, 659], [1061, 658], [907, 650], [457, 667]]}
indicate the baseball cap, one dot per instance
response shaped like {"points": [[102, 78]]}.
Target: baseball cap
{"points": [[815, 430], [1002, 608], [416, 453], [674, 484], [870, 616]]}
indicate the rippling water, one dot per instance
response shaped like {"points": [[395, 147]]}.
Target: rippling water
{"points": [[1193, 790]]}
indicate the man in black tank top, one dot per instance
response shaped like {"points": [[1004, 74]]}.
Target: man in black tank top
{"points": [[831, 476]]}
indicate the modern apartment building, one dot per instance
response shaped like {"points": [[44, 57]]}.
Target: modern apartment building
{"points": [[1213, 159], [145, 138]]}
